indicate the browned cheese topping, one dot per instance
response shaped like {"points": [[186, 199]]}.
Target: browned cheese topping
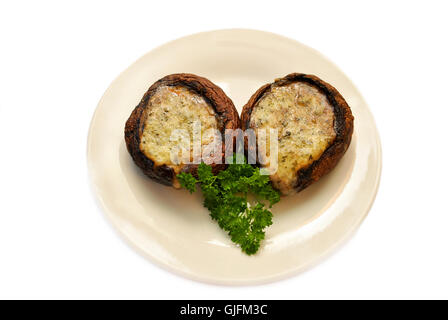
{"points": [[305, 122], [170, 108]]}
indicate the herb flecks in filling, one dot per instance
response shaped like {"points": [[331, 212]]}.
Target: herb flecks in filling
{"points": [[170, 108], [305, 121]]}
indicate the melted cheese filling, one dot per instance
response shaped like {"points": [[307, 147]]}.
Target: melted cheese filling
{"points": [[171, 108], [304, 119]]}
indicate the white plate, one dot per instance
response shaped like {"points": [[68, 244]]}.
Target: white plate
{"points": [[170, 226]]}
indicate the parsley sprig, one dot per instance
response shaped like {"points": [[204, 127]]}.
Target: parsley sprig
{"points": [[226, 196]]}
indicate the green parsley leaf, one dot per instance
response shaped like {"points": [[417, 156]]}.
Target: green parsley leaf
{"points": [[226, 197], [187, 181]]}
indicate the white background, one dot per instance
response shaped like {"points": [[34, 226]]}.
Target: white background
{"points": [[56, 60]]}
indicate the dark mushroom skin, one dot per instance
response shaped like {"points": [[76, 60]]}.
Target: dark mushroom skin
{"points": [[342, 124], [225, 113]]}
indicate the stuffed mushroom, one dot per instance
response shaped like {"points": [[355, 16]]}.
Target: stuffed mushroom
{"points": [[314, 125], [177, 102]]}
